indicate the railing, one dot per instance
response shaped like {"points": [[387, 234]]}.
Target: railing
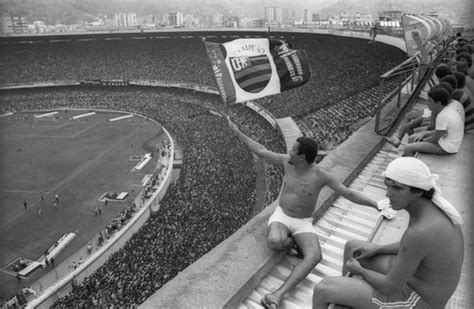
{"points": [[411, 77]]}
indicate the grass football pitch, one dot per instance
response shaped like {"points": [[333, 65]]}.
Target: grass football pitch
{"points": [[77, 159]]}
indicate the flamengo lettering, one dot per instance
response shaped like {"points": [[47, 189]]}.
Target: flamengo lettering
{"points": [[297, 61], [289, 66], [217, 73], [252, 48], [220, 83]]}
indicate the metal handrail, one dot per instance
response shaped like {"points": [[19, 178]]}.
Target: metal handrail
{"points": [[412, 74]]}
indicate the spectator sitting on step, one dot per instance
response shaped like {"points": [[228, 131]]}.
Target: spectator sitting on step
{"points": [[449, 84], [291, 223], [449, 127], [464, 66], [418, 118], [452, 81], [422, 270], [465, 57], [462, 95], [442, 70]]}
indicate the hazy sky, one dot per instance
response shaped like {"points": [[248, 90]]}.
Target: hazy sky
{"points": [[250, 8]]}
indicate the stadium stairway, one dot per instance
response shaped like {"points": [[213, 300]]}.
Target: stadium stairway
{"points": [[289, 130]]}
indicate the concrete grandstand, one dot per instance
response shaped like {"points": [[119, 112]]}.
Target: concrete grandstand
{"points": [[43, 73]]}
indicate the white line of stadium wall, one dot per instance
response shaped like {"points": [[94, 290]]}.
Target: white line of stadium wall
{"points": [[46, 115], [83, 115], [386, 39], [41, 84], [120, 118], [63, 286]]}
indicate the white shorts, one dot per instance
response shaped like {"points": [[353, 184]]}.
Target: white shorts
{"points": [[295, 225]]}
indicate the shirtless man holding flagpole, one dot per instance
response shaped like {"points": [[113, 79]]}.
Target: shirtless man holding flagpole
{"points": [[291, 223]]}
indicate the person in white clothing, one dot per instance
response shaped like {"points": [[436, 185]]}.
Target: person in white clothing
{"points": [[449, 128]]}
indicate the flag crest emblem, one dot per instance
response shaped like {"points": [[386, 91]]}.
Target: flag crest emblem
{"points": [[252, 74]]}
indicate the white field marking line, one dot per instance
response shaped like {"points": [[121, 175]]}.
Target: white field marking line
{"points": [[100, 195], [85, 130], [54, 189]]}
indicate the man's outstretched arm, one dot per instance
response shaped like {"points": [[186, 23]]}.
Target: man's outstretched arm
{"points": [[352, 195], [257, 148]]}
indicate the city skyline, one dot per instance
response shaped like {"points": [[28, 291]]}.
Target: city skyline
{"points": [[250, 8], [44, 16]]}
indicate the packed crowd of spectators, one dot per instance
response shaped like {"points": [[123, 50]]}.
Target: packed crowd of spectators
{"points": [[334, 124], [342, 69], [211, 199], [341, 66], [106, 59], [261, 131], [215, 192]]}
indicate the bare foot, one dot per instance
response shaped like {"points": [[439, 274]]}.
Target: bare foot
{"points": [[270, 301], [394, 140]]}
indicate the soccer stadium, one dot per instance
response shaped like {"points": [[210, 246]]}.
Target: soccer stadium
{"points": [[122, 184]]}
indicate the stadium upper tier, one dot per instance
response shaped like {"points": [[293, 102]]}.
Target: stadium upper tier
{"points": [[341, 66]]}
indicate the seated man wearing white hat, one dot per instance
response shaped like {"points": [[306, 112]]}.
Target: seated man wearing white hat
{"points": [[422, 270]]}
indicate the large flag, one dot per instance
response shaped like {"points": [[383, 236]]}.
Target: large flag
{"points": [[248, 69]]}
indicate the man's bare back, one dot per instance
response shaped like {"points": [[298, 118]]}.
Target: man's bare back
{"points": [[438, 274]]}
